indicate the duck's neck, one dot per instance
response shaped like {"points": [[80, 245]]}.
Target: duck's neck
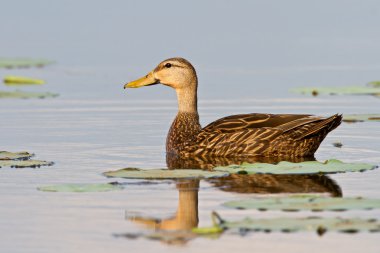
{"points": [[185, 126], [187, 99]]}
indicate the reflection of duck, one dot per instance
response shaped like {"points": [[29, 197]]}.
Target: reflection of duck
{"points": [[186, 216], [237, 135], [271, 184], [177, 229], [260, 184]]}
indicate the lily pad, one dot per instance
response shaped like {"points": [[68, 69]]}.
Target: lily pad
{"points": [[81, 187], [164, 173], [297, 203], [5, 155], [374, 84], [20, 160], [352, 118], [317, 224], [17, 80], [207, 230], [25, 95], [23, 63], [24, 163], [347, 90], [309, 167]]}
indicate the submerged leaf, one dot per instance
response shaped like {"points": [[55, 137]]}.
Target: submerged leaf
{"points": [[16, 80], [296, 203], [352, 118], [163, 173], [25, 95], [23, 63], [309, 167], [337, 144], [24, 163], [346, 90], [5, 155], [81, 187]]}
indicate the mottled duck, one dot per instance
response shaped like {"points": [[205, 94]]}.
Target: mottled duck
{"points": [[243, 135]]}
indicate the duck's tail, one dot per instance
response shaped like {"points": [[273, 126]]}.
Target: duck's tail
{"points": [[326, 126]]}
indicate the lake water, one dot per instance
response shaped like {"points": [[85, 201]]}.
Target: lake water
{"points": [[248, 56]]}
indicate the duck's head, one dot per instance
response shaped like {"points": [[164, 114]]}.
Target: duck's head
{"points": [[177, 73]]}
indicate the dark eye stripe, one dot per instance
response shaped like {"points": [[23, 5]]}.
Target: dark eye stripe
{"points": [[175, 65], [171, 65]]}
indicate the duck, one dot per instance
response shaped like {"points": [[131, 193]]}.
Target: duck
{"points": [[242, 135]]}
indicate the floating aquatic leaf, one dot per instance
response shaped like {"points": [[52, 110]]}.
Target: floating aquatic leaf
{"points": [[287, 224], [20, 160], [24, 163], [347, 90], [81, 187], [164, 173], [17, 80], [25, 95], [352, 118], [5, 155], [207, 230], [296, 203], [374, 84], [23, 63], [309, 167]]}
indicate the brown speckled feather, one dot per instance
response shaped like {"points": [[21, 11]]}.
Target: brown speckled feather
{"points": [[251, 135]]}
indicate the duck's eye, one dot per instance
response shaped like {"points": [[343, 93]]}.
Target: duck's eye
{"points": [[168, 65]]}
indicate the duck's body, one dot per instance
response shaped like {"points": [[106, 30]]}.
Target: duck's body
{"points": [[244, 135], [253, 134]]}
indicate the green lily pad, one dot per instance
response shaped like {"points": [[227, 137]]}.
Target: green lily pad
{"points": [[297, 203], [5, 155], [23, 63], [207, 230], [25, 95], [24, 163], [352, 118], [20, 160], [81, 187], [309, 167], [17, 80], [374, 84], [317, 224], [164, 173], [347, 90]]}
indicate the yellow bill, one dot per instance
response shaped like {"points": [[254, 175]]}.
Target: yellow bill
{"points": [[143, 81]]}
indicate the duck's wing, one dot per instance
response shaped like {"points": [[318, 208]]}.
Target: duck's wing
{"points": [[236, 123], [253, 134]]}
